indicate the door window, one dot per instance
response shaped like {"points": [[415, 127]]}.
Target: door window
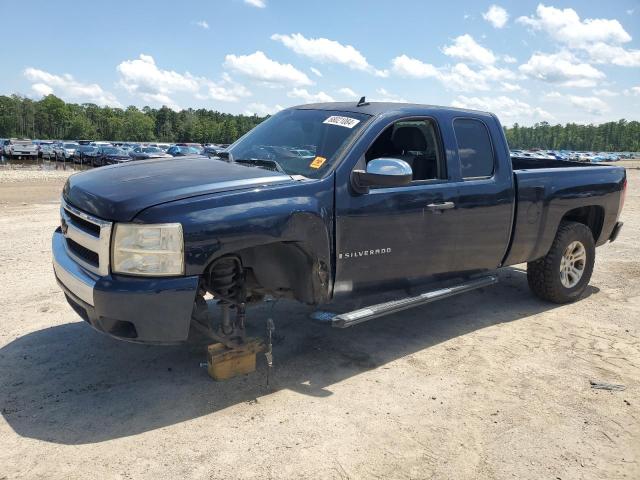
{"points": [[414, 141]]}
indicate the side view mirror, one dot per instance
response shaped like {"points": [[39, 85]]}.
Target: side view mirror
{"points": [[382, 172]]}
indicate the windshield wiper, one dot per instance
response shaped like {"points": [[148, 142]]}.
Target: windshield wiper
{"points": [[257, 162], [261, 163]]}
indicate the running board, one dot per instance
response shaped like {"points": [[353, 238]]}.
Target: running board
{"points": [[344, 320]]}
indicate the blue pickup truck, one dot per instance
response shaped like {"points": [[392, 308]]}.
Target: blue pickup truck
{"points": [[321, 202]]}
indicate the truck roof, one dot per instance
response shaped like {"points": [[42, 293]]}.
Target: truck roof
{"points": [[378, 108]]}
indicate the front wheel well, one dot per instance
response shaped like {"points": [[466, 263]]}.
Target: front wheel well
{"points": [[592, 216], [281, 269]]}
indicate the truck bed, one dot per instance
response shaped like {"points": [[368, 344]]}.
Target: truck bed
{"points": [[527, 163], [544, 189]]}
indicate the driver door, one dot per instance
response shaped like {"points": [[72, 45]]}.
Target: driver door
{"points": [[393, 237]]}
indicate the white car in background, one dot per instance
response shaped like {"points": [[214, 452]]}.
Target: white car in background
{"points": [[65, 150], [46, 150], [15, 148]]}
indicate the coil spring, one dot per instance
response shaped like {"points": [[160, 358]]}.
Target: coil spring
{"points": [[225, 277]]}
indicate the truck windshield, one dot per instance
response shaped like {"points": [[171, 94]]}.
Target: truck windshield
{"points": [[301, 142]]}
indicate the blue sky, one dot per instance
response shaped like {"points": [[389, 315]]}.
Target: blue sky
{"points": [[526, 61]]}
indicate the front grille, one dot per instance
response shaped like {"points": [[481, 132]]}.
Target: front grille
{"points": [[87, 238], [88, 255], [84, 224]]}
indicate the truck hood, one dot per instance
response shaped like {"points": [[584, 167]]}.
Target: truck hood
{"points": [[120, 192]]}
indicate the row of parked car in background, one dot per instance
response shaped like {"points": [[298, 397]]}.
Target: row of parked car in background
{"points": [[570, 155], [99, 153]]}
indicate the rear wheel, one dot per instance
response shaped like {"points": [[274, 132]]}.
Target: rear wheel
{"points": [[562, 275]]}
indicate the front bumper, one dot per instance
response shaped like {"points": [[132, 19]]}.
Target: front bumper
{"points": [[145, 310]]}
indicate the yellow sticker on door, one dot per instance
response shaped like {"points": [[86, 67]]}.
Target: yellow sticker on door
{"points": [[317, 162]]}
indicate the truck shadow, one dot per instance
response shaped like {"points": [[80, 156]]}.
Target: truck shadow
{"points": [[71, 385]]}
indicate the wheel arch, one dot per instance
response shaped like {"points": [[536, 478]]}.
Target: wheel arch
{"points": [[296, 264], [591, 216], [286, 269]]}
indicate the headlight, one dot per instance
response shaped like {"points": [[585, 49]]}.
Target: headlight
{"points": [[151, 250]]}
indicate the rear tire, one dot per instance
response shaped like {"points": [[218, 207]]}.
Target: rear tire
{"points": [[562, 275]]}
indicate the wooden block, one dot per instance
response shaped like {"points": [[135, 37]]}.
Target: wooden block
{"points": [[225, 363]]}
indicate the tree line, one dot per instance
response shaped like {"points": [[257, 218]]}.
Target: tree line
{"points": [[52, 118], [620, 136]]}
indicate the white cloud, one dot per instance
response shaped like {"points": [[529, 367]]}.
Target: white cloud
{"points": [[497, 74], [588, 104], [635, 91], [412, 67], [564, 25], [260, 67], [461, 77], [458, 77], [309, 97], [227, 90], [510, 87], [42, 89], [69, 88], [466, 48], [598, 38], [603, 92], [561, 68], [348, 93], [202, 24], [316, 72], [256, 3], [509, 59], [261, 109], [142, 77], [614, 54], [496, 16], [383, 95], [591, 105], [327, 51], [504, 107]]}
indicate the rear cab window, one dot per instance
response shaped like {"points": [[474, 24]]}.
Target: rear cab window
{"points": [[474, 148]]}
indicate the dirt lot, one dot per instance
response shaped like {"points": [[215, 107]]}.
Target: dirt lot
{"points": [[494, 384]]}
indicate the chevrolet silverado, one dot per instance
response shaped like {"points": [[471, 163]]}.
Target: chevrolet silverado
{"points": [[321, 202]]}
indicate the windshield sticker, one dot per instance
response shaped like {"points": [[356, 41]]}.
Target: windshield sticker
{"points": [[317, 162], [347, 122]]}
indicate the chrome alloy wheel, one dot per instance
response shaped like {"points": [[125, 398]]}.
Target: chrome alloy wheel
{"points": [[572, 264]]}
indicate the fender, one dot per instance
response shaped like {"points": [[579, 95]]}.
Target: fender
{"points": [[282, 232]]}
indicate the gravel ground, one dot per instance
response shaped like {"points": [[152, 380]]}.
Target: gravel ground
{"points": [[14, 173], [493, 384]]}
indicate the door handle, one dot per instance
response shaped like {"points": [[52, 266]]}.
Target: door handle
{"points": [[436, 207]]}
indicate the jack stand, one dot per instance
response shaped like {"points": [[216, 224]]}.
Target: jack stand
{"points": [[224, 363], [269, 350]]}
